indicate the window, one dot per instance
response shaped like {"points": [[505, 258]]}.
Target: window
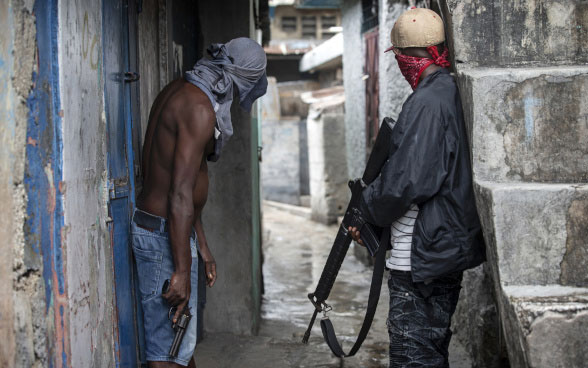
{"points": [[327, 22], [370, 15], [309, 26], [289, 24]]}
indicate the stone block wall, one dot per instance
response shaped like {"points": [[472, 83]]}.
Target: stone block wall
{"points": [[533, 129], [514, 33], [522, 76]]}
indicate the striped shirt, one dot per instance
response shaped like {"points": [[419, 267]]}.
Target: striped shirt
{"points": [[401, 239]]}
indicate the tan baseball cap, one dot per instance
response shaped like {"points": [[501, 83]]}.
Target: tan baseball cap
{"points": [[417, 27]]}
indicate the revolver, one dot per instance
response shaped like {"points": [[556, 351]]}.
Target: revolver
{"points": [[180, 326]]}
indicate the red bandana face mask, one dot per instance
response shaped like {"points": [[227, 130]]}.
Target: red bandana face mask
{"points": [[412, 67]]}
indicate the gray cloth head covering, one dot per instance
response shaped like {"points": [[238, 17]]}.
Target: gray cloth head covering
{"points": [[240, 62]]}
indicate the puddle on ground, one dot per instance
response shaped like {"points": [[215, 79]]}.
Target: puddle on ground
{"points": [[295, 251]]}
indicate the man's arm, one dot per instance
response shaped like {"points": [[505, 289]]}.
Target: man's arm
{"points": [[194, 129], [414, 172], [209, 262]]}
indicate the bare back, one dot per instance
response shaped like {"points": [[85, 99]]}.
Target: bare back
{"points": [[178, 101]]}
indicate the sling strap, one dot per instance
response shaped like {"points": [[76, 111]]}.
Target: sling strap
{"points": [[374, 297]]}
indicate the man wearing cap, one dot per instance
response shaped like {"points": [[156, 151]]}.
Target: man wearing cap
{"points": [[189, 123], [425, 194]]}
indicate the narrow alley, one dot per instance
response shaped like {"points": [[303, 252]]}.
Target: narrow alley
{"points": [[295, 249], [79, 87]]}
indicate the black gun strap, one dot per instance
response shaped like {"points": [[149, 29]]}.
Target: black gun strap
{"points": [[374, 297]]}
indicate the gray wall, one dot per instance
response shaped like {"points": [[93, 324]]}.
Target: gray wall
{"points": [[87, 239], [526, 118], [329, 194], [353, 64], [280, 168], [17, 63], [285, 176], [394, 89], [149, 59], [228, 214]]}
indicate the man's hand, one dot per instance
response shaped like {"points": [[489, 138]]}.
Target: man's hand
{"points": [[178, 293], [209, 265], [210, 269], [355, 235]]}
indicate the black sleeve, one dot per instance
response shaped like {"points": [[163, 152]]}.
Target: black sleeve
{"points": [[417, 166]]}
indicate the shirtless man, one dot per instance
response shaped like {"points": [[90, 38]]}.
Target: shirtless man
{"points": [[189, 123]]}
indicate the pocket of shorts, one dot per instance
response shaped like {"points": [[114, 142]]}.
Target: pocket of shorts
{"points": [[148, 269]]}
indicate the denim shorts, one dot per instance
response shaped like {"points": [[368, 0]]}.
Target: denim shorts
{"points": [[155, 264], [419, 319]]}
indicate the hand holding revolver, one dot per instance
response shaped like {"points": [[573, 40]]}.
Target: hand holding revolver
{"points": [[180, 321], [177, 293]]}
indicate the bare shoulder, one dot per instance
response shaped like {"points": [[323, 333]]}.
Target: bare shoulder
{"points": [[194, 107]]}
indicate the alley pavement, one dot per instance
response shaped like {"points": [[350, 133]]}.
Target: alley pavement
{"points": [[295, 250]]}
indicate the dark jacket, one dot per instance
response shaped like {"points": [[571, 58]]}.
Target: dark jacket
{"points": [[429, 164]]}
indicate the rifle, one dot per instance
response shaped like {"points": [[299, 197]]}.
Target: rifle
{"points": [[370, 235]]}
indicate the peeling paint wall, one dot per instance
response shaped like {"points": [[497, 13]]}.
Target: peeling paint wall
{"points": [[86, 238], [27, 313], [60, 309], [54, 240], [43, 184], [8, 225]]}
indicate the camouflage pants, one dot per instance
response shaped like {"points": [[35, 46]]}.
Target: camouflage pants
{"points": [[419, 319]]}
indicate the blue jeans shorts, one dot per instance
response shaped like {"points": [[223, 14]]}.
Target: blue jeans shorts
{"points": [[155, 264]]}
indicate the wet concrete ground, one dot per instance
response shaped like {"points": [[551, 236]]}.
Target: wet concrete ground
{"points": [[295, 250]]}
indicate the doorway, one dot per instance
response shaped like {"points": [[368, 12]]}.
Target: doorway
{"points": [[119, 17]]}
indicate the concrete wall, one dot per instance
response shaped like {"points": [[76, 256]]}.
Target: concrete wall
{"points": [[149, 59], [394, 89], [284, 167], [527, 126], [88, 247], [502, 33], [280, 168], [536, 131], [17, 62], [228, 214], [353, 65], [329, 193], [291, 103]]}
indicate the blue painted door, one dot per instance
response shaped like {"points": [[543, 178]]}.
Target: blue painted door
{"points": [[117, 98]]}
